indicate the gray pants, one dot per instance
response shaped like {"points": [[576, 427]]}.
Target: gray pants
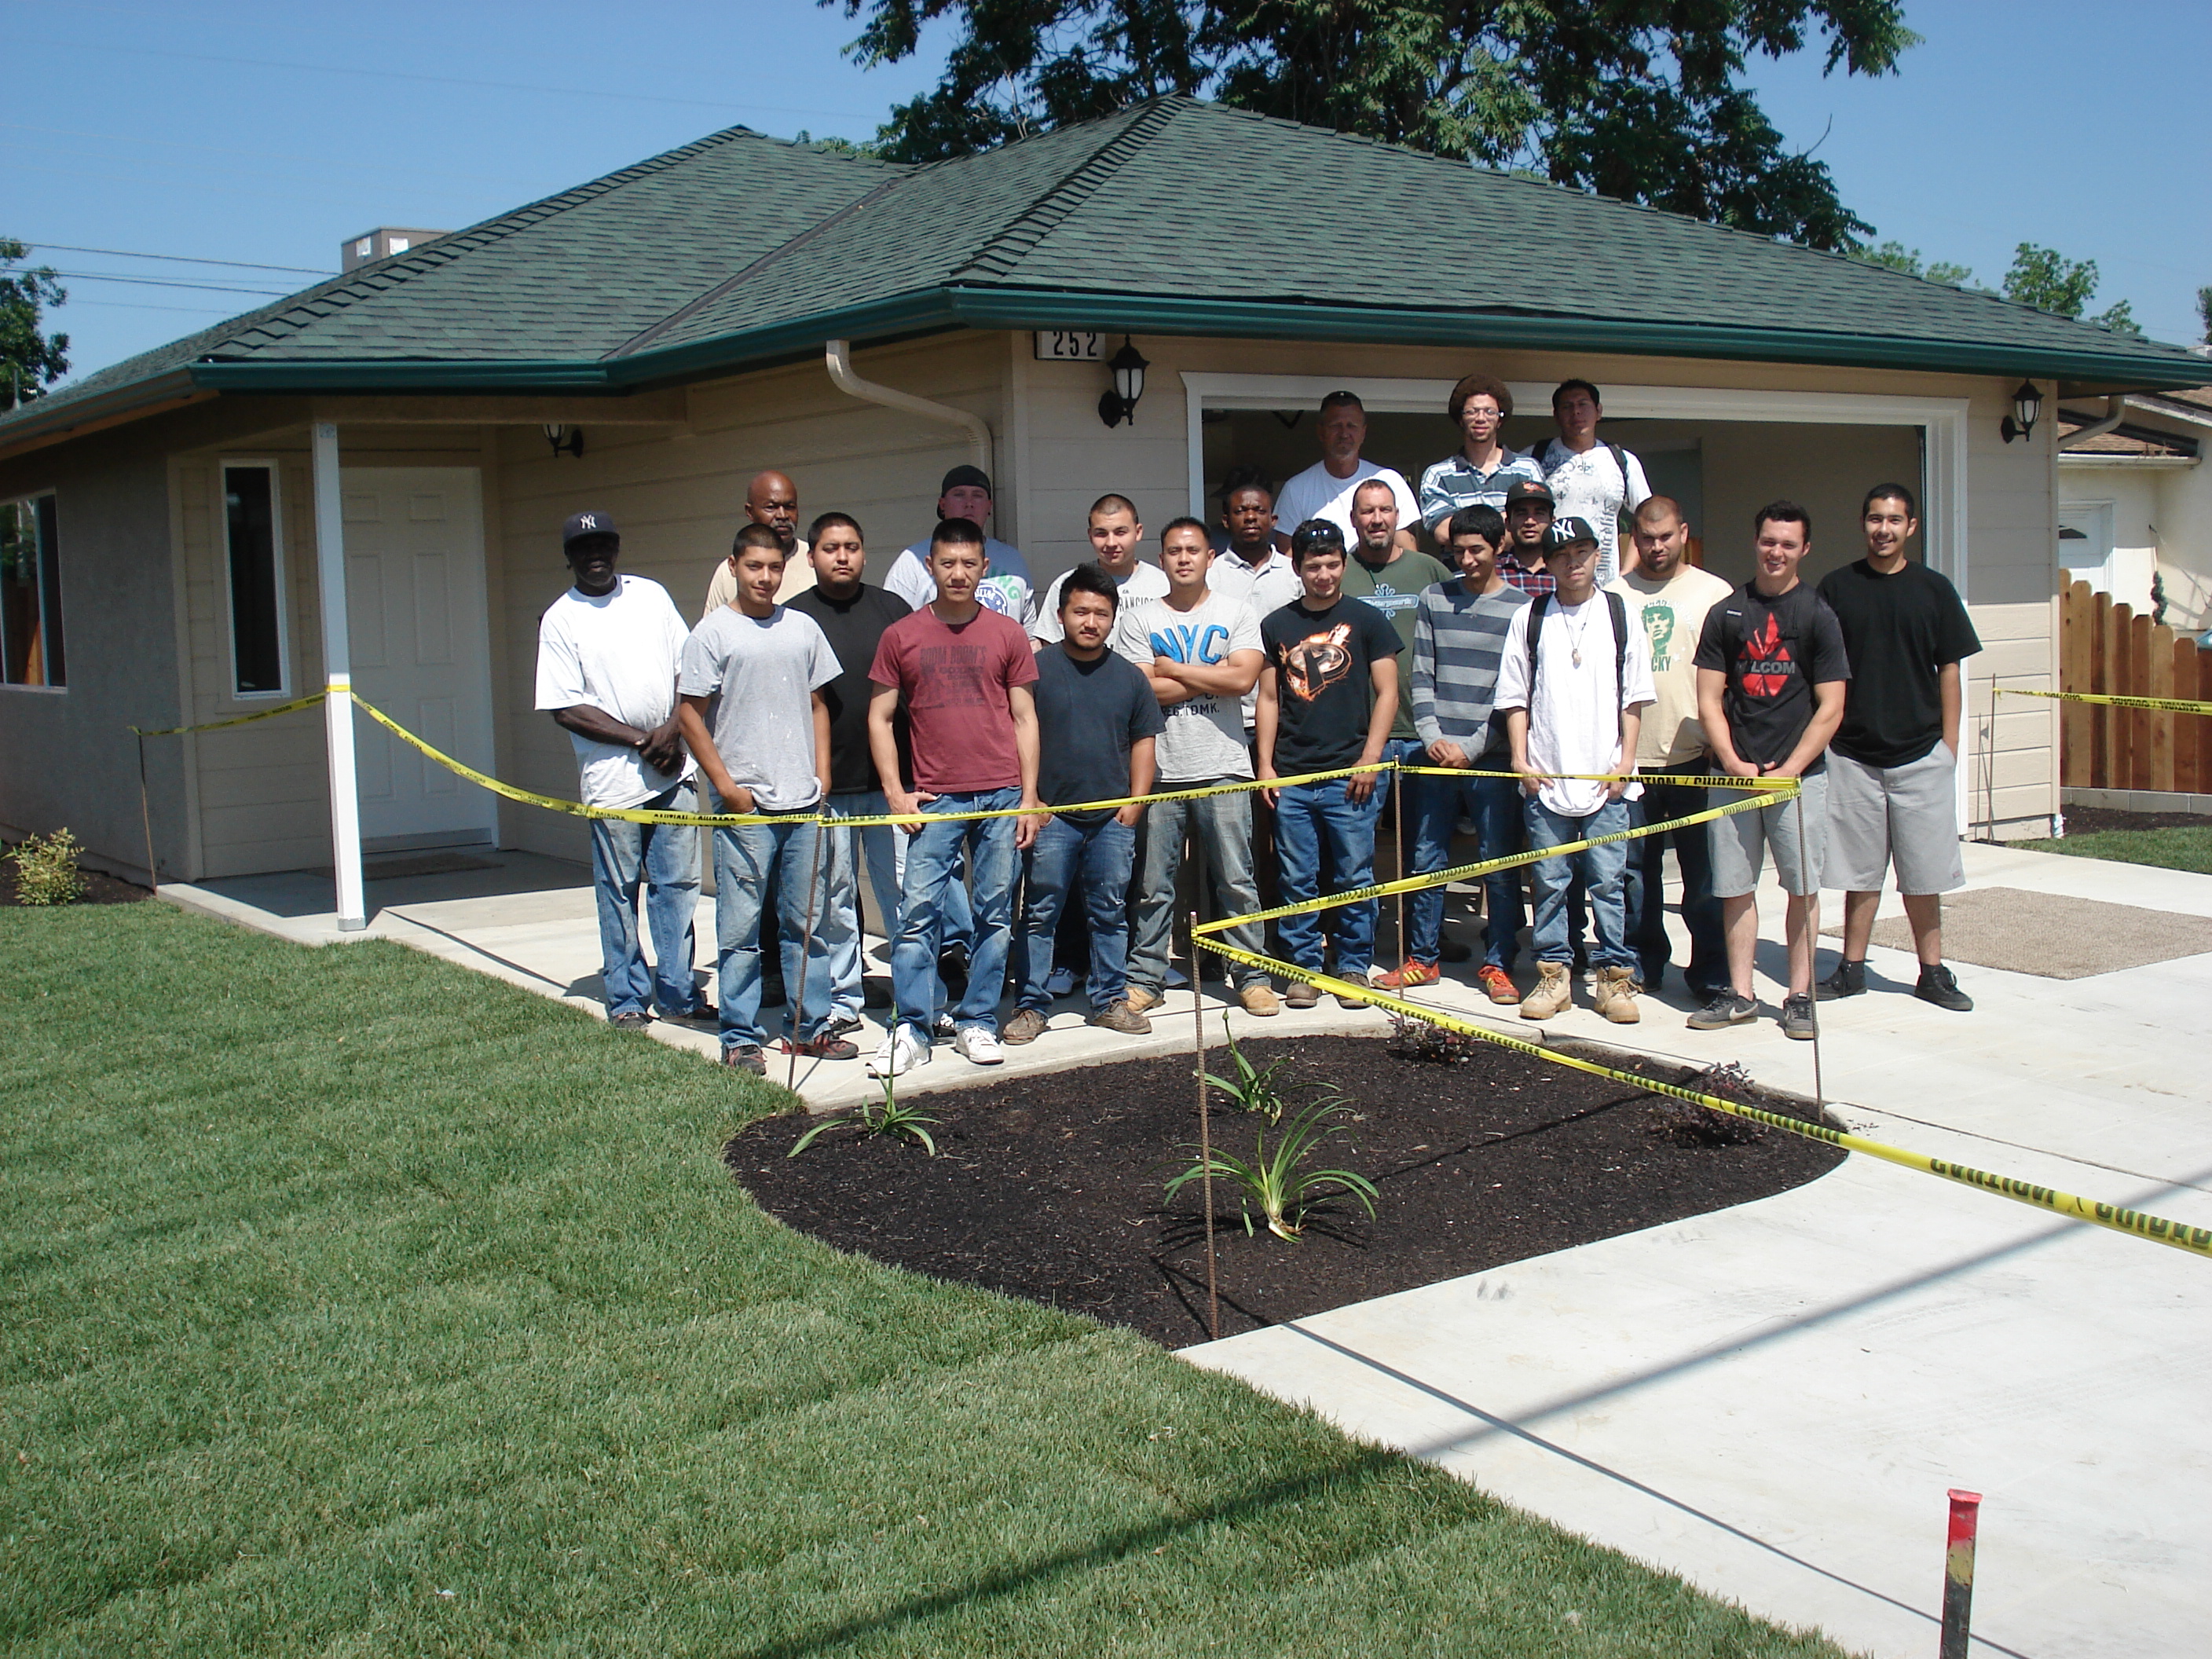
{"points": [[1221, 828], [1740, 842]]}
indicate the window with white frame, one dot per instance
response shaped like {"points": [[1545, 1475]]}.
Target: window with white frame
{"points": [[31, 650], [253, 544]]}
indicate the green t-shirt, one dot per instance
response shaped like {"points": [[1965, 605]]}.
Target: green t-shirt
{"points": [[1395, 589]]}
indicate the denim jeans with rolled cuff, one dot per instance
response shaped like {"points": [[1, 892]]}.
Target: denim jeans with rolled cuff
{"points": [[747, 858], [840, 929], [1603, 872], [1087, 861], [664, 859], [1494, 805], [1707, 972], [1220, 829], [933, 856], [1321, 833]]}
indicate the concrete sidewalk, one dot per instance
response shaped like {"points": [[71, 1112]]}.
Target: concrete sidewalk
{"points": [[1769, 1399]]}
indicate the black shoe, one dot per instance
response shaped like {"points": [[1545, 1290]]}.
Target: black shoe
{"points": [[704, 1017], [1848, 981], [629, 1021], [1651, 973], [1797, 1017], [1937, 986], [772, 993], [1726, 1009], [747, 1057]]}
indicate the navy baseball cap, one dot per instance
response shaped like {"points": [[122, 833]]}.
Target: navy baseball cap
{"points": [[1565, 532], [1528, 490], [965, 476], [581, 525]]}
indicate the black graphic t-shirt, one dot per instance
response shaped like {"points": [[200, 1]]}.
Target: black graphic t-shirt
{"points": [[1323, 693], [1774, 652]]}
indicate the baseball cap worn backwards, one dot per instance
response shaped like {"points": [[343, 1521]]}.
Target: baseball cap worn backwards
{"points": [[583, 525], [1565, 532], [1528, 490], [965, 477]]}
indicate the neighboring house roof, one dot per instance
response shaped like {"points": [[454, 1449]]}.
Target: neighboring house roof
{"points": [[740, 250], [2184, 406]]}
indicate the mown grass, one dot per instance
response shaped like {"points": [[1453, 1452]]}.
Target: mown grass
{"points": [[355, 1304], [2185, 848]]}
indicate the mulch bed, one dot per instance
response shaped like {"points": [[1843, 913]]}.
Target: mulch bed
{"points": [[99, 889], [1050, 1188], [2088, 820]]}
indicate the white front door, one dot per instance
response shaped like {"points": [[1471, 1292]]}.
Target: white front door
{"points": [[422, 650]]}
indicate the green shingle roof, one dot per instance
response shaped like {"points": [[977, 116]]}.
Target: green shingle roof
{"points": [[1173, 216]]}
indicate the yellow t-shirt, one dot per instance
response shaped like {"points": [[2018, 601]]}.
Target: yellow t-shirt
{"points": [[1673, 613]]}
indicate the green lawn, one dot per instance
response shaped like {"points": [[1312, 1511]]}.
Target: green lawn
{"points": [[353, 1304], [2179, 848]]}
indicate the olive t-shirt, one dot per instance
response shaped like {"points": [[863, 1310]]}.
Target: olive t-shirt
{"points": [[1900, 630], [1395, 589]]}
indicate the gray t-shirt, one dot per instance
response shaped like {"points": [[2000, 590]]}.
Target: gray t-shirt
{"points": [[762, 673], [1205, 736]]}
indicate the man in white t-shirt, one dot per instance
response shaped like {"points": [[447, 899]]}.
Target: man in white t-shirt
{"points": [[1668, 596], [1200, 648], [771, 499], [1592, 481], [607, 656], [1324, 489], [1574, 682], [1253, 566], [755, 717], [1006, 586], [1115, 535]]}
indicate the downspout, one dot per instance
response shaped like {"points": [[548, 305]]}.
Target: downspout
{"points": [[2115, 406], [838, 356]]}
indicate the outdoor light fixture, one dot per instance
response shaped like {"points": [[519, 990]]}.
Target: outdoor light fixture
{"points": [[1120, 404], [565, 439], [2027, 404]]}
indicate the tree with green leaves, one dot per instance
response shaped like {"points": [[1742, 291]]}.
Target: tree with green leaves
{"points": [[1895, 256], [2204, 311], [1641, 99], [29, 361], [2048, 280]]}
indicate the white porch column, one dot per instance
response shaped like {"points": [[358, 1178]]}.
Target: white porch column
{"points": [[338, 668]]}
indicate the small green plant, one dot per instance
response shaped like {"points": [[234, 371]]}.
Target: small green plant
{"points": [[889, 1118], [1273, 1181], [1252, 1089], [46, 870]]}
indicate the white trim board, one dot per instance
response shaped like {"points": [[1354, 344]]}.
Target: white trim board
{"points": [[1942, 421]]}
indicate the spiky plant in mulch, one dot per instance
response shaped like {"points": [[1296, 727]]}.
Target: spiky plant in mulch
{"points": [[1688, 1124]]}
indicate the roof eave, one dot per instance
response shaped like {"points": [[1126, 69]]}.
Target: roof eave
{"points": [[33, 426]]}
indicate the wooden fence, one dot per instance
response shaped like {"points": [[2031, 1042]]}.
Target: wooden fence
{"points": [[2107, 647]]}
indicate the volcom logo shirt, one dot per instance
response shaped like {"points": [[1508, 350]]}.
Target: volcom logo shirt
{"points": [[1774, 652]]}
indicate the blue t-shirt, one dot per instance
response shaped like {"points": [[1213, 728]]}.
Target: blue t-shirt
{"points": [[1089, 715]]}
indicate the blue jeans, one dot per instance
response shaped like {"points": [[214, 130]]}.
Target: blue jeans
{"points": [[1603, 872], [1646, 889], [1317, 823], [933, 867], [1220, 829], [840, 929], [665, 859], [1436, 808], [747, 858], [1093, 859]]}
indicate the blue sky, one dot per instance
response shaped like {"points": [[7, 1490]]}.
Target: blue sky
{"points": [[265, 132]]}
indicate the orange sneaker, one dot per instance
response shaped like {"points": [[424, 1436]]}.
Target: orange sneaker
{"points": [[1497, 983], [1405, 978]]}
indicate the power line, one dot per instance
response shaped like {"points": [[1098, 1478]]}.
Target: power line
{"points": [[178, 258], [169, 282]]}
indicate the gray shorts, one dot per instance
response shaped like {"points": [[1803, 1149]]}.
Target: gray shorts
{"points": [[1739, 841], [1907, 816]]}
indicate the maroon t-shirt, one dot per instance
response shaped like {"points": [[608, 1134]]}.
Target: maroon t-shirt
{"points": [[953, 682]]}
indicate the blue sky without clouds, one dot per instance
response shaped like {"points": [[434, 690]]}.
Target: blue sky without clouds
{"points": [[266, 132]]}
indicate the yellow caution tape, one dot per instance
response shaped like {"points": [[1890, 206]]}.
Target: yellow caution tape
{"points": [[1484, 866], [1668, 780], [2110, 700], [2116, 1218], [307, 702]]}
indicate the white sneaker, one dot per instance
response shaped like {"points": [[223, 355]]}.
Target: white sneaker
{"points": [[899, 1053], [980, 1044], [943, 1030]]}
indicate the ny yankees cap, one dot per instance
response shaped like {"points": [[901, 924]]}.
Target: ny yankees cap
{"points": [[1528, 490], [581, 525], [1565, 532]]}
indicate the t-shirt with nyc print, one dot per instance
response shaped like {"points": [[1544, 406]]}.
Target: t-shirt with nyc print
{"points": [[1774, 652], [1323, 692]]}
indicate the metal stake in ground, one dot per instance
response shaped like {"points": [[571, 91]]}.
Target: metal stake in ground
{"points": [[1812, 962], [806, 950], [1958, 1573], [1398, 829], [1205, 1141], [146, 818]]}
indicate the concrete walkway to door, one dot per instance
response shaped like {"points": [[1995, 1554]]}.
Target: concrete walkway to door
{"points": [[1772, 1400]]}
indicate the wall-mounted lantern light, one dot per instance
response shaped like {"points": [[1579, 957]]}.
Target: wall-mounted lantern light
{"points": [[565, 439], [2027, 404], [1120, 404]]}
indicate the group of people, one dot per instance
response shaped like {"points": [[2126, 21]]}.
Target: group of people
{"points": [[1030, 771]]}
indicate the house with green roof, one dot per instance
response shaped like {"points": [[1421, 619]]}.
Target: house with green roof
{"points": [[362, 484]]}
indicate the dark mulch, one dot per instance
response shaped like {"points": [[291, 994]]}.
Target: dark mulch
{"points": [[1049, 1187], [2088, 820], [99, 889]]}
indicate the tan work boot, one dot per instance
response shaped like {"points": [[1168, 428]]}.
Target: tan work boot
{"points": [[1554, 992], [1616, 995], [1141, 1000], [1258, 997]]}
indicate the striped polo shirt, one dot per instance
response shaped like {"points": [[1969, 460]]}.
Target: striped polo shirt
{"points": [[1458, 639]]}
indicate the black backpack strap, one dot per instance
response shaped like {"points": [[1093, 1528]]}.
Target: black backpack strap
{"points": [[1617, 608], [1536, 608], [1620, 460]]}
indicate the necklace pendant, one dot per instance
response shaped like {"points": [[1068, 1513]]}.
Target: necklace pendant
{"points": [[1578, 658]]}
